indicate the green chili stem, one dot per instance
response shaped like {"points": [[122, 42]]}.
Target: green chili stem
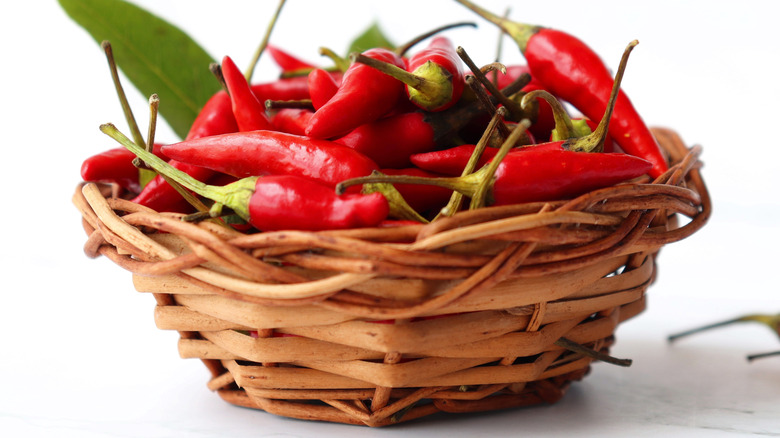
{"points": [[419, 83], [144, 174], [341, 63], [479, 199], [772, 321], [519, 32], [402, 49], [399, 208], [264, 43], [120, 91]]}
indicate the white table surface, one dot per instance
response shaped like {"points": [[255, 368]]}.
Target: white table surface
{"points": [[81, 356]]}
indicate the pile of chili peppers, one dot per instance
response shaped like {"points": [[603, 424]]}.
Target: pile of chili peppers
{"points": [[392, 137]]}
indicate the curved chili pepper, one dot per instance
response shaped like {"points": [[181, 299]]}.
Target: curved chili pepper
{"points": [[390, 141], [365, 95], [322, 87], [571, 70], [276, 202], [286, 61], [256, 153], [292, 120], [115, 166], [216, 117], [248, 110], [452, 161], [294, 88]]}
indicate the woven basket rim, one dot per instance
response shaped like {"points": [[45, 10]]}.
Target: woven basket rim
{"points": [[632, 209]]}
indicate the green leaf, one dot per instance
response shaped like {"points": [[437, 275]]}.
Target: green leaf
{"points": [[370, 38], [153, 54]]}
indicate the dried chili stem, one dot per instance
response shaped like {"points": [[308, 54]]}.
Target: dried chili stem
{"points": [[264, 43], [589, 352]]}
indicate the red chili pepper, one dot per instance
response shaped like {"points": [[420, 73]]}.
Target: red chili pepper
{"points": [[322, 87], [247, 109], [390, 141], [292, 120], [295, 88], [256, 153], [216, 117], [543, 172], [452, 161], [276, 202], [546, 174], [365, 95], [115, 166], [421, 198], [571, 70], [286, 61]]}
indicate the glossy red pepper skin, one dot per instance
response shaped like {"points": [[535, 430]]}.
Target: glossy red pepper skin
{"points": [[422, 198], [441, 55], [255, 153], [288, 202], [115, 166], [365, 95], [295, 88], [248, 110], [453, 160], [322, 87], [390, 141], [292, 120], [286, 61], [216, 117], [550, 173]]}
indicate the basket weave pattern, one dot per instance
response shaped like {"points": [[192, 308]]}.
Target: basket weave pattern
{"points": [[377, 326]]}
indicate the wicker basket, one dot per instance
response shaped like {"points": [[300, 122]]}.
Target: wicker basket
{"points": [[377, 326]]}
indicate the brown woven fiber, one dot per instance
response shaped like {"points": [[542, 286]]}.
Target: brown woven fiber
{"points": [[377, 326]]}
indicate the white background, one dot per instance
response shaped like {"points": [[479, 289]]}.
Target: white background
{"points": [[80, 355]]}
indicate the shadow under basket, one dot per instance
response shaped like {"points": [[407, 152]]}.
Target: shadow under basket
{"points": [[378, 326]]}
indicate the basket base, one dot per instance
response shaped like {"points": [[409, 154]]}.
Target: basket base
{"points": [[410, 406]]}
